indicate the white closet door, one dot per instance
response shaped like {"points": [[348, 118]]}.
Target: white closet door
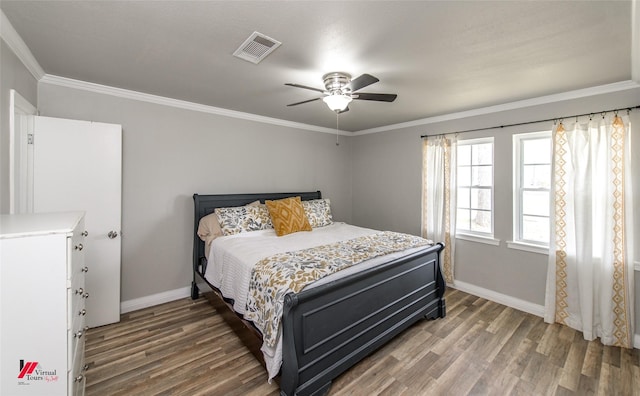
{"points": [[78, 166]]}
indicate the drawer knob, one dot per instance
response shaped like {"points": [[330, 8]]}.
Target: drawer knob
{"points": [[112, 234], [85, 269], [83, 312], [78, 247], [85, 367], [85, 295], [79, 291], [79, 378], [78, 334], [85, 233]]}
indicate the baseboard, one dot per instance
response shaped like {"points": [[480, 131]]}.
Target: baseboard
{"points": [[512, 302], [154, 299], [500, 298]]}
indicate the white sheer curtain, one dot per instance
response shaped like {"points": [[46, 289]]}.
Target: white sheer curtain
{"points": [[439, 196], [590, 275]]}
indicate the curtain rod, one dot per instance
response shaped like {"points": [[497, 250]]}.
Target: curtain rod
{"points": [[534, 122]]}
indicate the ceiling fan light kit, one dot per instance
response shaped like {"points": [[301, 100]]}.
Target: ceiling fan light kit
{"points": [[340, 90], [337, 102]]}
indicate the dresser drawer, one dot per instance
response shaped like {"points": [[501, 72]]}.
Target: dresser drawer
{"points": [[75, 339], [77, 372], [77, 276], [76, 300], [76, 246]]}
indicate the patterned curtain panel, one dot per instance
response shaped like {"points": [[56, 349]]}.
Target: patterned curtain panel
{"points": [[439, 197], [590, 276]]}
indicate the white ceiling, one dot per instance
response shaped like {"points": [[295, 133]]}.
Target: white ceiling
{"points": [[440, 57]]}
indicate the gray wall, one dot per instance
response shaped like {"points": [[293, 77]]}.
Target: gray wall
{"points": [[169, 154], [13, 75], [387, 191]]}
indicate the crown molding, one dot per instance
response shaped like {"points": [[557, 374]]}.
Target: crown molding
{"points": [[161, 100], [18, 46], [579, 93], [182, 104], [134, 95]]}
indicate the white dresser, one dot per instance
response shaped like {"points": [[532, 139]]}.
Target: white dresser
{"points": [[42, 304]]}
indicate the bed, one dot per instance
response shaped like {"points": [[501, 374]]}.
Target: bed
{"points": [[326, 329]]}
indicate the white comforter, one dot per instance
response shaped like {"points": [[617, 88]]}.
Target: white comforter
{"points": [[232, 258]]}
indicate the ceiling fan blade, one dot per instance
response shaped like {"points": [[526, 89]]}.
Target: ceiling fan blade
{"points": [[304, 101], [360, 82], [376, 96], [305, 87]]}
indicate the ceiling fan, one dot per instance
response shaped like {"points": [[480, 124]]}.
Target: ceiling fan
{"points": [[340, 90]]}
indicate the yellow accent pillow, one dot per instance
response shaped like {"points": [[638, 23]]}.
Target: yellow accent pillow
{"points": [[288, 216]]}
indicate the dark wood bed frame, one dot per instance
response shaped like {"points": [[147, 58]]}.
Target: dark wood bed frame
{"points": [[328, 329]]}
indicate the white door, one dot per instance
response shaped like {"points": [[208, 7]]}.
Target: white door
{"points": [[78, 166]]}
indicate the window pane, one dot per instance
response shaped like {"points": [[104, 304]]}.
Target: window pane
{"points": [[480, 221], [531, 195], [536, 151], [535, 229], [536, 176], [481, 198], [475, 186], [535, 203], [464, 155], [464, 176], [482, 154], [463, 198], [462, 219], [482, 176]]}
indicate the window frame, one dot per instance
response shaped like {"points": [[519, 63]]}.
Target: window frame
{"points": [[518, 241], [468, 234]]}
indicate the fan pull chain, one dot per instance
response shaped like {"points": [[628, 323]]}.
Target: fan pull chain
{"points": [[337, 124]]}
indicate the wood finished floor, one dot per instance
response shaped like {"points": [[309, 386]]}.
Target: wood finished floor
{"points": [[480, 348]]}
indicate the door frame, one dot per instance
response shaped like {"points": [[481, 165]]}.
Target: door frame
{"points": [[21, 113]]}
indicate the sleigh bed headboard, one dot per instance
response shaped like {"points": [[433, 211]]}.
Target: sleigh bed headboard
{"points": [[206, 204]]}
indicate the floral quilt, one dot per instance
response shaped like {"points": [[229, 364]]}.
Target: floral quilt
{"points": [[273, 277]]}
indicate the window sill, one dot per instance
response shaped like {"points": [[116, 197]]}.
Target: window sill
{"points": [[528, 247], [479, 239]]}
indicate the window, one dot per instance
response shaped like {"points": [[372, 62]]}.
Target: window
{"points": [[475, 187], [532, 180]]}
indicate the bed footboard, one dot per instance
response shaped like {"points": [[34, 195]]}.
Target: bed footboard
{"points": [[328, 329]]}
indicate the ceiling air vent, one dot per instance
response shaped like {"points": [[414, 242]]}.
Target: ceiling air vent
{"points": [[256, 48]]}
